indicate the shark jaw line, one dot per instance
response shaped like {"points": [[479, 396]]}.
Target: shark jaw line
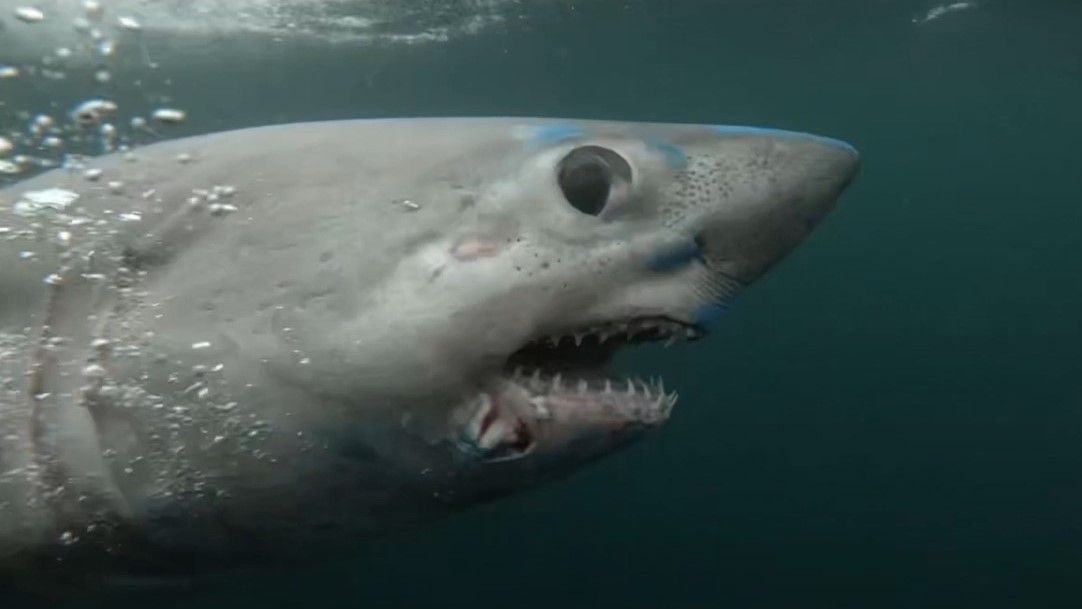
{"points": [[572, 365], [554, 392]]}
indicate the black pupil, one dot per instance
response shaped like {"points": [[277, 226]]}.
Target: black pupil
{"points": [[586, 178]]}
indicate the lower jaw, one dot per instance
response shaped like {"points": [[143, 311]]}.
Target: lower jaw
{"points": [[594, 385]]}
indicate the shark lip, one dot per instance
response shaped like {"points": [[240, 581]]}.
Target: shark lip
{"points": [[575, 362]]}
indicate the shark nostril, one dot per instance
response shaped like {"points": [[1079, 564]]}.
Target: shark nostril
{"points": [[700, 242]]}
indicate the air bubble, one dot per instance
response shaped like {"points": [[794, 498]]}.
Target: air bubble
{"points": [[29, 14], [169, 116], [129, 23], [93, 9], [221, 209], [408, 204], [43, 122], [225, 191], [92, 111]]}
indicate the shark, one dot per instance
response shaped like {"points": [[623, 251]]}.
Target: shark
{"points": [[274, 343]]}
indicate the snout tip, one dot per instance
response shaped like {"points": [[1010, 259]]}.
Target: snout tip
{"points": [[845, 160]]}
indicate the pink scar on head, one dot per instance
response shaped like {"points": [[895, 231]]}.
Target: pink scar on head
{"points": [[472, 249]]}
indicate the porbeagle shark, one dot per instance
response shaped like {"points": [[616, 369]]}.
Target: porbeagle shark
{"points": [[275, 343]]}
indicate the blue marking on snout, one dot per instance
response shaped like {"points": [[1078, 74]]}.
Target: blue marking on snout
{"points": [[709, 314], [673, 256], [674, 155], [555, 133], [781, 133]]}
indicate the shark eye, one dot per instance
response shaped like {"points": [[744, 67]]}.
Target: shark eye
{"points": [[592, 178]]}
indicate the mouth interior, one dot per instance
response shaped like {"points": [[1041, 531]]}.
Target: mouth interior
{"points": [[579, 359]]}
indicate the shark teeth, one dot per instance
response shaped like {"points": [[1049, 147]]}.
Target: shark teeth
{"points": [[651, 392], [655, 328]]}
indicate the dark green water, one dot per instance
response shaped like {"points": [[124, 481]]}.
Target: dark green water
{"points": [[892, 418]]}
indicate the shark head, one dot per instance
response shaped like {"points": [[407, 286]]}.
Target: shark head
{"points": [[351, 326], [588, 238], [525, 254]]}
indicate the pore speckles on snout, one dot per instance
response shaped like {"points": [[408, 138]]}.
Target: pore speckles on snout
{"points": [[704, 181]]}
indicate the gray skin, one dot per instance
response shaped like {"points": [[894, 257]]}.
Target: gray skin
{"points": [[317, 351]]}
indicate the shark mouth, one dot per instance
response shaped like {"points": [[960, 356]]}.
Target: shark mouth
{"points": [[574, 364], [557, 386]]}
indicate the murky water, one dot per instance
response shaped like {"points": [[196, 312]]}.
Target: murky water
{"points": [[893, 418]]}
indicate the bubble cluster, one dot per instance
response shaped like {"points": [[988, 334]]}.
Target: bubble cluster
{"points": [[101, 115]]}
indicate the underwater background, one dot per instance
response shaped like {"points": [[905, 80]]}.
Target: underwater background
{"points": [[891, 418]]}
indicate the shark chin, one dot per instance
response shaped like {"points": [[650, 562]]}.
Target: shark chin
{"points": [[276, 343]]}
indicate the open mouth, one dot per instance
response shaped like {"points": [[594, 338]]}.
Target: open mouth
{"points": [[576, 363]]}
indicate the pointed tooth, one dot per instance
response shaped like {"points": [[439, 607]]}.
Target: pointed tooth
{"points": [[630, 387], [671, 341], [554, 341], [578, 340], [556, 383], [602, 337], [539, 406], [608, 386], [582, 385]]}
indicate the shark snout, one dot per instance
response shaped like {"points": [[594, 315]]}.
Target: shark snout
{"points": [[783, 185], [831, 166]]}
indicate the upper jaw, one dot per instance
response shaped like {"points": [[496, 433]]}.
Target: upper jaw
{"points": [[582, 351], [650, 328]]}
